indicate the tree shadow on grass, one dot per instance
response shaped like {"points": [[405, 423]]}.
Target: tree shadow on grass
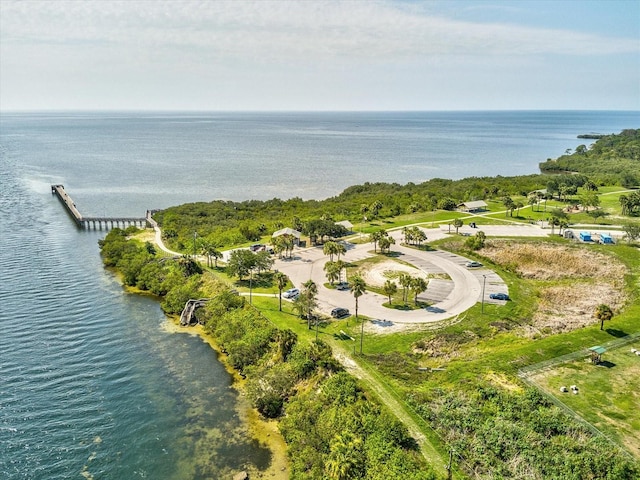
{"points": [[616, 333]]}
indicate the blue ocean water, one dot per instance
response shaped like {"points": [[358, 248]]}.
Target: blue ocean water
{"points": [[91, 383]]}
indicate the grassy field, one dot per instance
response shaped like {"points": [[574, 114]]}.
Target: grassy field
{"points": [[608, 394]]}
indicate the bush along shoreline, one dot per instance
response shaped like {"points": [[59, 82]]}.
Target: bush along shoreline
{"points": [[332, 427]]}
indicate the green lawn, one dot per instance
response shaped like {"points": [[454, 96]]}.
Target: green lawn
{"points": [[608, 394]]}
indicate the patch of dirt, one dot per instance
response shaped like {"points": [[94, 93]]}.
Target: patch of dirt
{"points": [[564, 308], [389, 270], [583, 279], [543, 261], [444, 346]]}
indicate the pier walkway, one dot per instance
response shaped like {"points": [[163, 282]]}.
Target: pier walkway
{"points": [[94, 222]]}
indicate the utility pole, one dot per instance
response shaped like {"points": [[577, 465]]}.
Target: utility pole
{"points": [[484, 281]]}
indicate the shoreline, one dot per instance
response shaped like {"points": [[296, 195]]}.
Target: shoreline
{"points": [[265, 432]]}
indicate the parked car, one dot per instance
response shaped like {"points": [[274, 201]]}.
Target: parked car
{"points": [[473, 264], [339, 312], [255, 247], [291, 293], [342, 286], [499, 296]]}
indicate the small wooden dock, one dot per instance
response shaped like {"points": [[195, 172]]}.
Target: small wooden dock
{"points": [[94, 222]]}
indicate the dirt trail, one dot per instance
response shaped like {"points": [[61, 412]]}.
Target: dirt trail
{"points": [[375, 384]]}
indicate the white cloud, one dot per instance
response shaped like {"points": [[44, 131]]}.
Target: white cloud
{"points": [[287, 30], [284, 54]]}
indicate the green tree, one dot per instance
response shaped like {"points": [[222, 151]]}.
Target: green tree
{"points": [[603, 313], [281, 281], [389, 289], [331, 249], [332, 270], [308, 296], [417, 286], [632, 232], [346, 459], [375, 208], [385, 243], [375, 238], [457, 223], [405, 282], [240, 263], [358, 288], [509, 205]]}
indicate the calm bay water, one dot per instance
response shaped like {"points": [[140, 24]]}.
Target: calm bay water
{"points": [[91, 382]]}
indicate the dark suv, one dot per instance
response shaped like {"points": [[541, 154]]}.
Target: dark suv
{"points": [[339, 312]]}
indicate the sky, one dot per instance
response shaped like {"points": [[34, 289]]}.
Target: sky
{"points": [[313, 55]]}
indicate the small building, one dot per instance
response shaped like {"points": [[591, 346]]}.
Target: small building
{"points": [[288, 231], [585, 236], [475, 206], [606, 238], [346, 224]]}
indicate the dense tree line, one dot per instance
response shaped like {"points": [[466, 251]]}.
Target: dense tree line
{"points": [[226, 223], [611, 159]]}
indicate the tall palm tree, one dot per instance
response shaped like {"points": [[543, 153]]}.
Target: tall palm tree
{"points": [[405, 282], [418, 285], [375, 238], [333, 271], [358, 288], [375, 208], [309, 292], [281, 282], [331, 249], [389, 289]]}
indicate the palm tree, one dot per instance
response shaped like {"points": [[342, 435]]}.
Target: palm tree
{"points": [[340, 250], [405, 282], [385, 243], [375, 238], [518, 206], [309, 293], [333, 271], [418, 285], [331, 249], [281, 282], [375, 208], [418, 235], [389, 289], [279, 245], [603, 312], [358, 288], [509, 205], [345, 457]]}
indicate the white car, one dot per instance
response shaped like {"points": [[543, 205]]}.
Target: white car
{"points": [[291, 293]]}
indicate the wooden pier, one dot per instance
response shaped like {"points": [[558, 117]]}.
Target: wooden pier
{"points": [[95, 223]]}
